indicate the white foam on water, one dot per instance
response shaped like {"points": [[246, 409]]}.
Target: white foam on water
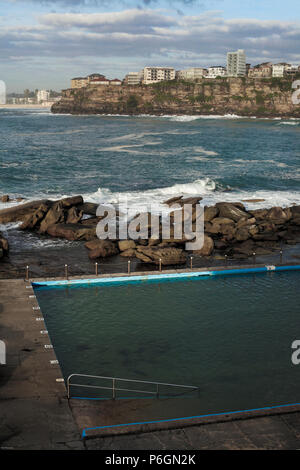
{"points": [[289, 123]]}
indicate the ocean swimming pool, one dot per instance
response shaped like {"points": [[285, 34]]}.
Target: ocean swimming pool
{"points": [[229, 336]]}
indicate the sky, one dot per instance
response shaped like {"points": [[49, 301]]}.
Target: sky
{"points": [[44, 43]]}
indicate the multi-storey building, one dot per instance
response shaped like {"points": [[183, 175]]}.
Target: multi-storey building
{"points": [[236, 63], [261, 70], [42, 95], [79, 82], [134, 78], [158, 74], [278, 70], [193, 73], [216, 71]]}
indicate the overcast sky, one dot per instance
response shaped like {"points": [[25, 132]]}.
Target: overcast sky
{"points": [[45, 43]]}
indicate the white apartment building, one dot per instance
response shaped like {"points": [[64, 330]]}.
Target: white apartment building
{"points": [[193, 73], [158, 74], [278, 70], [42, 95], [236, 63], [218, 71], [291, 69], [134, 78]]}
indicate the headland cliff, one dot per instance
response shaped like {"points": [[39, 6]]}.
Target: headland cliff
{"points": [[269, 97]]}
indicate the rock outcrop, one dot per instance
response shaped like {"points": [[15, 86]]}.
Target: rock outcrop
{"points": [[267, 97], [230, 229]]}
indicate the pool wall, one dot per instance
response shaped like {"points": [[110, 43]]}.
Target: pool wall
{"points": [[164, 276]]}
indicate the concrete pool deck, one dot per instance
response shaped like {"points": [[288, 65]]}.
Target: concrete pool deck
{"points": [[34, 411], [37, 415]]}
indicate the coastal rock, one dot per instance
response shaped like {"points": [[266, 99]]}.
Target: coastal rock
{"points": [[4, 245], [5, 198], [102, 249], [128, 253], [19, 212], [259, 214], [232, 211], [174, 98], [242, 234], [168, 255], [74, 215], [88, 208], [222, 221], [125, 245], [71, 201], [173, 200], [208, 247], [32, 220], [72, 231], [210, 213], [278, 216], [55, 215]]}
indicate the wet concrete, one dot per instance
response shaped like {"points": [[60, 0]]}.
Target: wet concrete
{"points": [[34, 411], [280, 432]]}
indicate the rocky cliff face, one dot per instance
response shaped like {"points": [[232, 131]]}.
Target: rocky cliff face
{"points": [[243, 96]]}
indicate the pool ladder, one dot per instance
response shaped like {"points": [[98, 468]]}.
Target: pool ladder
{"points": [[114, 389]]}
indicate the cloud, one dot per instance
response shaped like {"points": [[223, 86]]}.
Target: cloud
{"points": [[128, 40]]}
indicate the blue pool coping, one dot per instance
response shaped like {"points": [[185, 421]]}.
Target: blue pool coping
{"points": [[163, 276], [210, 415]]}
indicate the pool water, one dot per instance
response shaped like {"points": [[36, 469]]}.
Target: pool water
{"points": [[230, 336]]}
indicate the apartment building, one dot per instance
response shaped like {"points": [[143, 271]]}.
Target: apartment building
{"points": [[79, 82], [42, 95], [158, 74], [261, 70], [236, 63], [193, 73], [134, 78], [278, 70], [216, 71]]}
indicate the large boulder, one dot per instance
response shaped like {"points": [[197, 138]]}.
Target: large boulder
{"points": [[74, 215], [89, 208], [210, 213], [20, 212], [102, 249], [234, 211], [71, 201], [278, 215], [168, 255], [128, 253], [3, 245], [208, 247], [34, 219], [125, 245], [242, 234], [55, 215], [72, 231]]}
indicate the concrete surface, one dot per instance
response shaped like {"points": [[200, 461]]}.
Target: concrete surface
{"points": [[34, 411], [274, 432]]}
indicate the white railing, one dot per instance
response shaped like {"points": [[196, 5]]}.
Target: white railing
{"points": [[115, 389]]}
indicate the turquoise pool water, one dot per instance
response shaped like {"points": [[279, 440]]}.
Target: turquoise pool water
{"points": [[231, 336]]}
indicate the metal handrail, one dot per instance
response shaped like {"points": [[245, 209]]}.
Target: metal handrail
{"points": [[114, 388]]}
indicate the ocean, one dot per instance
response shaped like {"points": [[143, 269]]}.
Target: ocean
{"points": [[148, 159]]}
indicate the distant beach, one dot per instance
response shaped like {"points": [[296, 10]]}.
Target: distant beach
{"points": [[23, 106]]}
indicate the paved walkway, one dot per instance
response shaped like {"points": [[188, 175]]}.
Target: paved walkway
{"points": [[272, 432], [34, 411]]}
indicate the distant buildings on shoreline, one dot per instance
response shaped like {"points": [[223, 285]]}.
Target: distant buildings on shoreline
{"points": [[42, 97], [236, 67]]}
